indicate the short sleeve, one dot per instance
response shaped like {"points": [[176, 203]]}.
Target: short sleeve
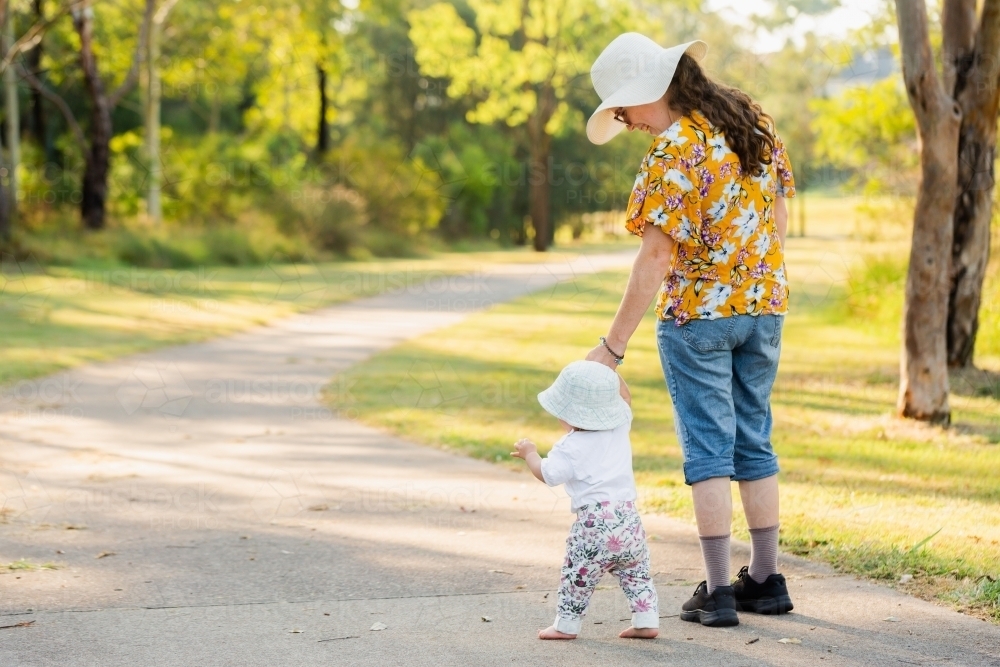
{"points": [[557, 467], [785, 180], [665, 194]]}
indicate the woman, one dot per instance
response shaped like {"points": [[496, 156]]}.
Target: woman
{"points": [[709, 205]]}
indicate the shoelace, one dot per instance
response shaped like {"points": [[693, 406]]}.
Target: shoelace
{"points": [[744, 573]]}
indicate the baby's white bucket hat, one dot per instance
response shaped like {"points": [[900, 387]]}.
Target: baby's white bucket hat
{"points": [[632, 70], [587, 395]]}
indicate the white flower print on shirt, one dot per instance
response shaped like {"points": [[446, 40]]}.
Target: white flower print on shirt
{"points": [[755, 293], [676, 177], [721, 255], [717, 211], [731, 190], [716, 295], [658, 216], [673, 133], [763, 243], [779, 275], [719, 147], [686, 231], [746, 223], [708, 312]]}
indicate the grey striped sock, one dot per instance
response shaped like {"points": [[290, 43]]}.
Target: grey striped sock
{"points": [[763, 553], [715, 551]]}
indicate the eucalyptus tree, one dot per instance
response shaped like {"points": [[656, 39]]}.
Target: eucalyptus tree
{"points": [[519, 60]]}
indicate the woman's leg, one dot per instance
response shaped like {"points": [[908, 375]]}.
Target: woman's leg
{"points": [[697, 365], [760, 504], [713, 509], [755, 366]]}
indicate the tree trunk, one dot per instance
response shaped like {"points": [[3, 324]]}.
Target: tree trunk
{"points": [[322, 129], [978, 95], [13, 118], [539, 185], [95, 176], [154, 208], [923, 391], [34, 57]]}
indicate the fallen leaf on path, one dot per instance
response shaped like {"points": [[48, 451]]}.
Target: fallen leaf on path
{"points": [[295, 631], [22, 624], [598, 622], [487, 619], [105, 554], [753, 641], [377, 626], [789, 640], [322, 507], [333, 639], [500, 572], [891, 619], [290, 553], [520, 587]]}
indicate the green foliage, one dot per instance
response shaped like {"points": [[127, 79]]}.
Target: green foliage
{"points": [[871, 131]]}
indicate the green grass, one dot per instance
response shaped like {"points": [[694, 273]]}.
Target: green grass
{"points": [[861, 489], [52, 318]]}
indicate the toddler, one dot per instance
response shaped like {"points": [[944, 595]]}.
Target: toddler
{"points": [[594, 461]]}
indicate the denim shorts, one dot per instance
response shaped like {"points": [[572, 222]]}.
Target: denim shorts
{"points": [[719, 374]]}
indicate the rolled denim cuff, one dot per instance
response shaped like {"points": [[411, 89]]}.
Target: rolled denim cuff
{"points": [[749, 470], [569, 626], [646, 619], [707, 467]]}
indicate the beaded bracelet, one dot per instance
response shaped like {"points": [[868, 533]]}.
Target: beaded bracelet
{"points": [[619, 359]]}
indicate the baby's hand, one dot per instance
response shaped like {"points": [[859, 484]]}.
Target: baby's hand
{"points": [[524, 447]]}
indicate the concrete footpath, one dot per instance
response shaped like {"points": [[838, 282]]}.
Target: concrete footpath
{"points": [[204, 508]]}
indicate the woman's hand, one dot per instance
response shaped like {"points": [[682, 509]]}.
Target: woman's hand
{"points": [[601, 355]]}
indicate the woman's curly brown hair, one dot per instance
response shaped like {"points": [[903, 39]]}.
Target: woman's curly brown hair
{"points": [[746, 126]]}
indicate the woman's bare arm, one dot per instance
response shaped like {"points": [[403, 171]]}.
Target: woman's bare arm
{"points": [[648, 270], [781, 219]]}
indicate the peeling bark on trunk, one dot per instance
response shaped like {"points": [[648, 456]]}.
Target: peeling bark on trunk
{"points": [[978, 95], [923, 392]]}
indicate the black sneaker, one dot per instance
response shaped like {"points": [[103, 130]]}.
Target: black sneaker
{"points": [[717, 610], [770, 597]]}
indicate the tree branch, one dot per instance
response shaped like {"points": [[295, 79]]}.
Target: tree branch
{"points": [[927, 97], [34, 34], [58, 101], [958, 28], [133, 73]]}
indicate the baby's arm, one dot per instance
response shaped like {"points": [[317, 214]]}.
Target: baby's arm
{"points": [[626, 394], [527, 450]]}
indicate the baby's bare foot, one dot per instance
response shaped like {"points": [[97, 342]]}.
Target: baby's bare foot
{"points": [[551, 633], [639, 633]]}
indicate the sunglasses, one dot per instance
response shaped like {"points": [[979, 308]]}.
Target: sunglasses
{"points": [[620, 116]]}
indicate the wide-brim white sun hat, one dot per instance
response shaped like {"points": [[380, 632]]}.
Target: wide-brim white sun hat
{"points": [[632, 70], [587, 395]]}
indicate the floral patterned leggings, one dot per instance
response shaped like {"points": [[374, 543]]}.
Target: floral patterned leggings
{"points": [[606, 537]]}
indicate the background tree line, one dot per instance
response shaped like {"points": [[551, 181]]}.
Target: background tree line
{"points": [[173, 133]]}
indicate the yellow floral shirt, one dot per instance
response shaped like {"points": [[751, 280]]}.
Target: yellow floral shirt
{"points": [[729, 260]]}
